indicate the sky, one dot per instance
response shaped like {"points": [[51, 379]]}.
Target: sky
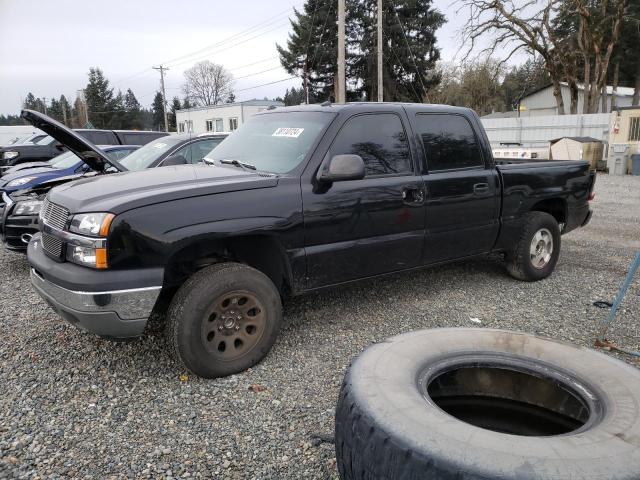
{"points": [[48, 46]]}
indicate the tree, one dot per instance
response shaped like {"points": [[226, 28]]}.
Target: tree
{"points": [[175, 106], [132, 111], [158, 112], [99, 98], [186, 103], [66, 110], [207, 83], [409, 49], [521, 80], [55, 110], [294, 96], [627, 59], [30, 102]]}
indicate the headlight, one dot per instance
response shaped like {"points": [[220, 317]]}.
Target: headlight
{"points": [[30, 207], [91, 224], [19, 181], [87, 256], [10, 154]]}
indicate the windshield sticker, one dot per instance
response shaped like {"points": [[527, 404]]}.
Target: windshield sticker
{"points": [[290, 132], [160, 145]]}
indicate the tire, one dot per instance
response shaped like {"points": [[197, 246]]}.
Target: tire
{"points": [[520, 261], [224, 319], [519, 407]]}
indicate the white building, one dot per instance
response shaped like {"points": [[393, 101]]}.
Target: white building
{"points": [[542, 102], [220, 118]]}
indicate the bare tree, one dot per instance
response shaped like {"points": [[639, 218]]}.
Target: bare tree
{"points": [[530, 25], [208, 83]]}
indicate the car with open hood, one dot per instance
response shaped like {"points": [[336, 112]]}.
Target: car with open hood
{"points": [[22, 192]]}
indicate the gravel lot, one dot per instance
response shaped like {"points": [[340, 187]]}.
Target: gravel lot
{"points": [[73, 405]]}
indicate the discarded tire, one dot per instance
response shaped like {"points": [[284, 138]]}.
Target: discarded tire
{"points": [[471, 404]]}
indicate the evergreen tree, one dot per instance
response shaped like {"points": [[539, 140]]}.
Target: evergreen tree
{"points": [[30, 102], [175, 106], [133, 117], [55, 110], [294, 96], [186, 103], [66, 110], [117, 113], [99, 99], [409, 49], [523, 79], [158, 112]]}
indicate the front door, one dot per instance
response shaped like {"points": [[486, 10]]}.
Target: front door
{"points": [[462, 189], [360, 228]]}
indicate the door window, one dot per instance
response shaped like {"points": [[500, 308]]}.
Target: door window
{"points": [[448, 142], [379, 139], [200, 149]]}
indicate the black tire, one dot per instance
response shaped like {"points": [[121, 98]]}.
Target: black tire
{"points": [[198, 325], [520, 264], [569, 413]]}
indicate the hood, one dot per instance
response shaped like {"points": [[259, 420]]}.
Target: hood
{"points": [[32, 172], [26, 166], [117, 193], [83, 148]]}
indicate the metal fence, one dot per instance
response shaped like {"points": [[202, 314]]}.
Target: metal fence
{"points": [[536, 132]]}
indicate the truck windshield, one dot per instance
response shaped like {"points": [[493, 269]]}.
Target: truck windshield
{"points": [[152, 151], [274, 142]]}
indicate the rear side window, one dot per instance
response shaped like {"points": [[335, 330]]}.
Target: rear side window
{"points": [[448, 142], [138, 138], [100, 138], [379, 139]]}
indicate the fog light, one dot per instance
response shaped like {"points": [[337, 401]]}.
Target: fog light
{"points": [[88, 256]]}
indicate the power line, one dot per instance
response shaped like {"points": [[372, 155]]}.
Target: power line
{"points": [[265, 84], [258, 73]]}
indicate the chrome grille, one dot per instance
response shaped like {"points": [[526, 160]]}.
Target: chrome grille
{"points": [[53, 245], [54, 215]]}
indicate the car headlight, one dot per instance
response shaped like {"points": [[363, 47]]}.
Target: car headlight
{"points": [[94, 252], [10, 154], [19, 181], [91, 224], [29, 207]]}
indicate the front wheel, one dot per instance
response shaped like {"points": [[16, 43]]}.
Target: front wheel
{"points": [[224, 319], [536, 253]]}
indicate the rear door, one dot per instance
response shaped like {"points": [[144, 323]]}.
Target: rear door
{"points": [[359, 228], [462, 188]]}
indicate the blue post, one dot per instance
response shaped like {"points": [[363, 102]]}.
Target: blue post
{"points": [[618, 300]]}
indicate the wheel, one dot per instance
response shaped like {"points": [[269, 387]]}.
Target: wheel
{"points": [[224, 319], [536, 254], [480, 404]]}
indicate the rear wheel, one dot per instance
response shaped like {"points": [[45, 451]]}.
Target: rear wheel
{"points": [[224, 319], [536, 254]]}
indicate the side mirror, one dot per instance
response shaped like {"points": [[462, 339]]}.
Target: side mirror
{"points": [[174, 160], [340, 168]]}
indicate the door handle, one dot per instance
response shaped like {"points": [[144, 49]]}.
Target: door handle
{"points": [[480, 187], [412, 195]]}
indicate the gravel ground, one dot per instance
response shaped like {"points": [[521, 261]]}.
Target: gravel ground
{"points": [[73, 405]]}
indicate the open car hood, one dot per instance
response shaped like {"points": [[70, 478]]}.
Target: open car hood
{"points": [[83, 148]]}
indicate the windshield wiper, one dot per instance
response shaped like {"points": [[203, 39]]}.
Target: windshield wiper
{"points": [[236, 163]]}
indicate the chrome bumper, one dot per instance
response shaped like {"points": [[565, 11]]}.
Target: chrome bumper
{"points": [[114, 314]]}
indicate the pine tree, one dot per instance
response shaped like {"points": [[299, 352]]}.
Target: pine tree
{"points": [[158, 112], [99, 99], [294, 96], [133, 117], [30, 102], [172, 120], [55, 110], [186, 103], [409, 50]]}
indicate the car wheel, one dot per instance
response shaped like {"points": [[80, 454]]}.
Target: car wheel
{"points": [[480, 404], [224, 319], [536, 254]]}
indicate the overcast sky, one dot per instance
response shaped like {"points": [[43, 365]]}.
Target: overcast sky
{"points": [[47, 46]]}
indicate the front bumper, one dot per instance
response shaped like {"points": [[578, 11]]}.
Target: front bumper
{"points": [[109, 312]]}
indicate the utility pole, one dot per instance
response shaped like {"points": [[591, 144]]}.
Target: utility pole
{"points": [[63, 103], [44, 103], [85, 107], [380, 80], [341, 85], [164, 97]]}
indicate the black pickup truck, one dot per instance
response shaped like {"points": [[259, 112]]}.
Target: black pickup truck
{"points": [[297, 199]]}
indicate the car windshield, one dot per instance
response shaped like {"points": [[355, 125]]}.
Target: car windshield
{"points": [[145, 156], [274, 142], [65, 160], [45, 140]]}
